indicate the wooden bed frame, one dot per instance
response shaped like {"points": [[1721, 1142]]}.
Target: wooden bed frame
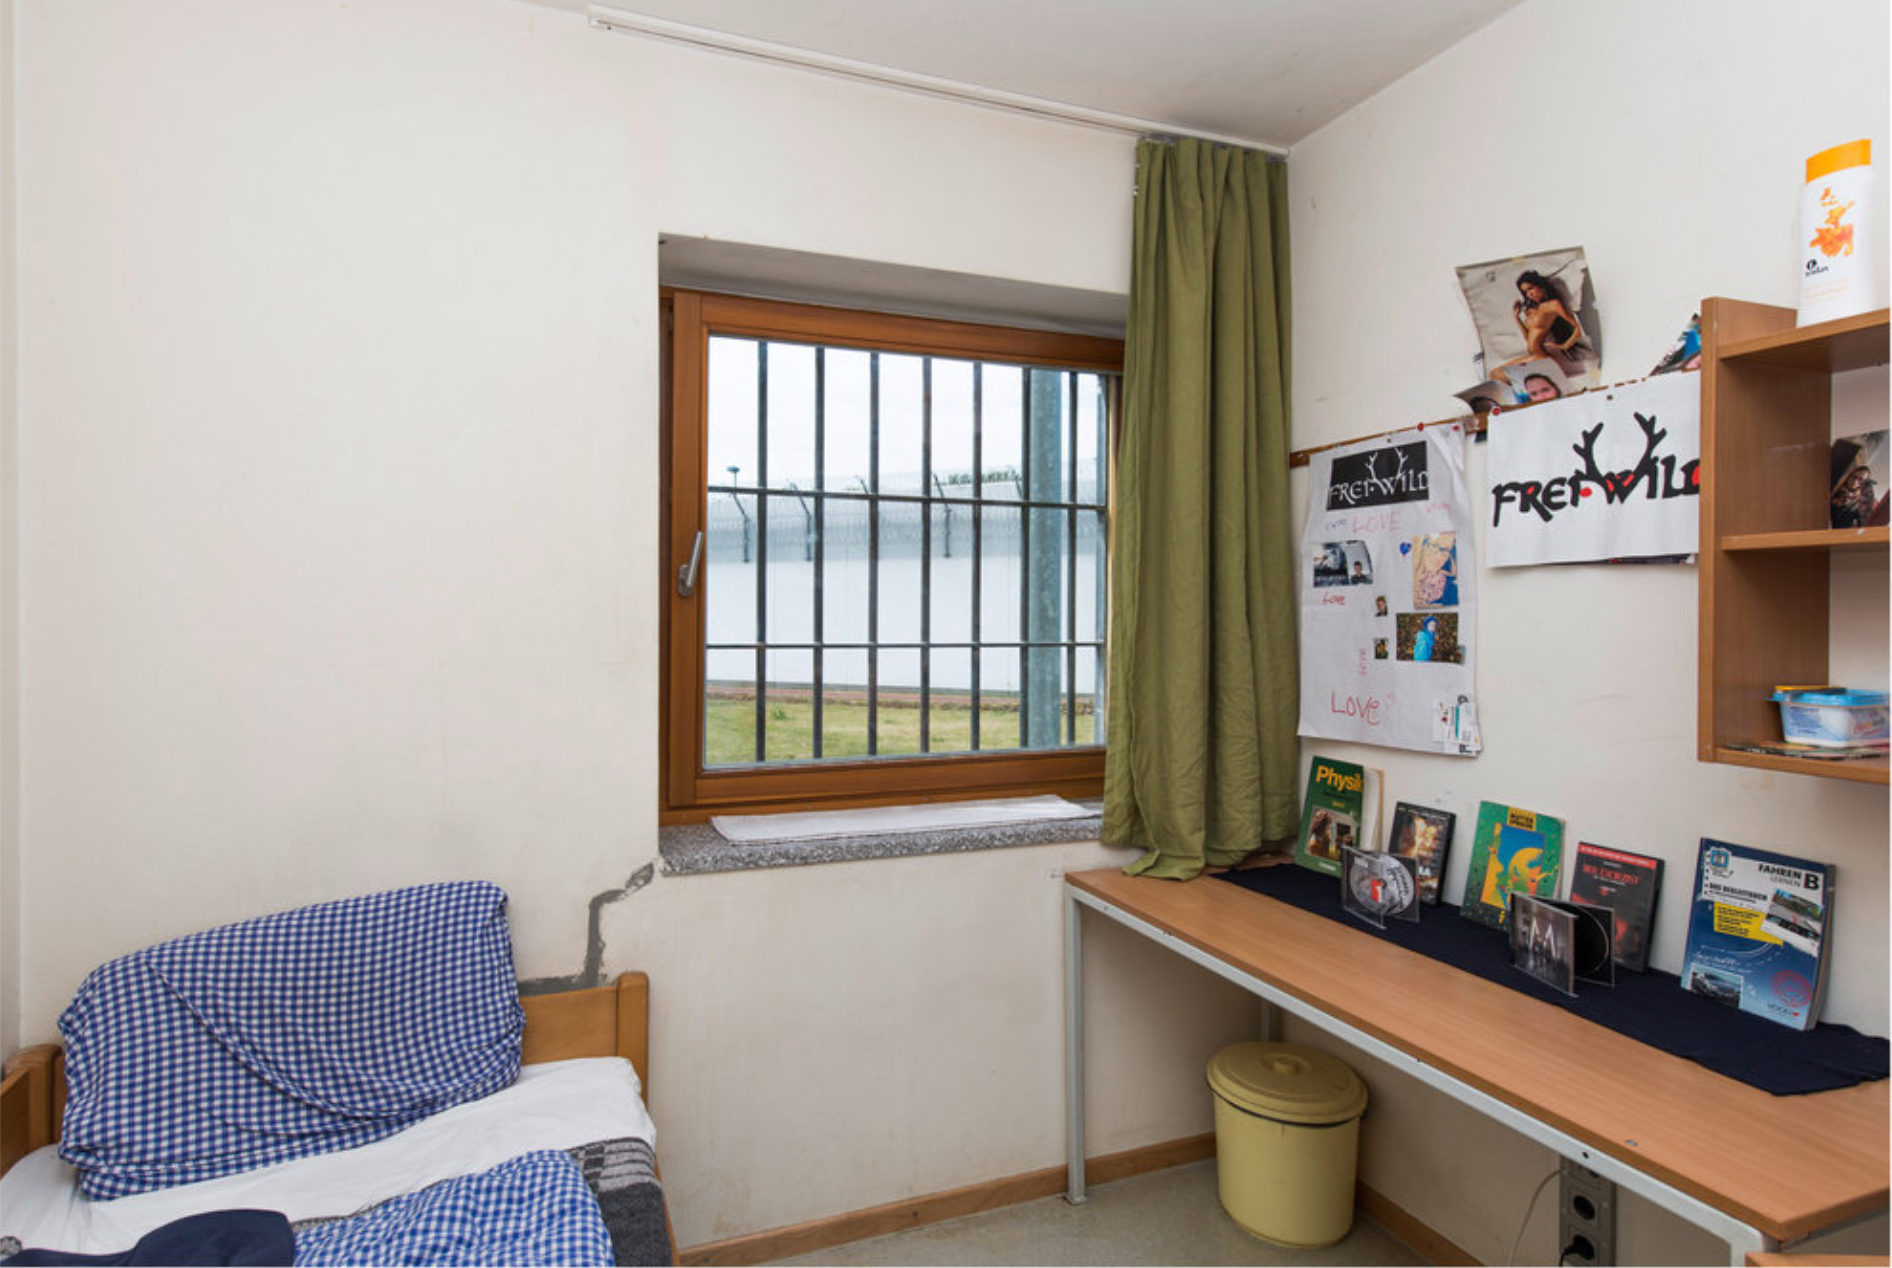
{"points": [[604, 1021]]}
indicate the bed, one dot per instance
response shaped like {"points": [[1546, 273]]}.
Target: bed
{"points": [[501, 1177]]}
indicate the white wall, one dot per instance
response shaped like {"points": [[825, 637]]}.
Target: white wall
{"points": [[338, 564], [1668, 141], [837, 1037], [9, 574]]}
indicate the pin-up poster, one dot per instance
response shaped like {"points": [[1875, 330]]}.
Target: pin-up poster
{"points": [[1603, 475], [1388, 608]]}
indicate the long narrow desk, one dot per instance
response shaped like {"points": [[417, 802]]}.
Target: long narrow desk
{"points": [[1756, 1170]]}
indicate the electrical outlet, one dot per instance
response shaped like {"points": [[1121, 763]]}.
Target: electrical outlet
{"points": [[1586, 1216]]}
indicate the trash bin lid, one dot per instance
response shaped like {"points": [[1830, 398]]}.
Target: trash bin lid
{"points": [[1287, 1082]]}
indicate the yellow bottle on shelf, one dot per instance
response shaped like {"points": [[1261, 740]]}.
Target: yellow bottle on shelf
{"points": [[1837, 275]]}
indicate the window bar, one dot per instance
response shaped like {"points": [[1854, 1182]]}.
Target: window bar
{"points": [[926, 555], [914, 499], [1024, 556], [1070, 570], [821, 514], [946, 515], [873, 554], [891, 645], [978, 546], [762, 552], [1109, 399]]}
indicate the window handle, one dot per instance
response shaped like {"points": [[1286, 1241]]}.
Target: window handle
{"points": [[686, 575]]}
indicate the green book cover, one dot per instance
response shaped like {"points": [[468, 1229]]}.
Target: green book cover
{"points": [[1514, 851], [1330, 818]]}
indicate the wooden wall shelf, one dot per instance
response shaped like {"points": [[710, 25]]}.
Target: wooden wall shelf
{"points": [[1851, 343], [1766, 550], [1870, 770], [1808, 539]]}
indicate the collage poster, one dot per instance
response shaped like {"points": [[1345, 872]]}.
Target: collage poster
{"points": [[1388, 609]]}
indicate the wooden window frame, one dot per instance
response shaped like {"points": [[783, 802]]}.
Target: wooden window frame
{"points": [[690, 792]]}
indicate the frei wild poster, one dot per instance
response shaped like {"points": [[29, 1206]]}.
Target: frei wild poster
{"points": [[1388, 595], [1604, 475]]}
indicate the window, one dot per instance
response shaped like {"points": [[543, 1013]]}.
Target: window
{"points": [[899, 527]]}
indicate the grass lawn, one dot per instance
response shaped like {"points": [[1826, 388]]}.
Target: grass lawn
{"points": [[729, 736]]}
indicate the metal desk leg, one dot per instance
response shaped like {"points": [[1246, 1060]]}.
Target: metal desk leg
{"points": [[1073, 1048]]}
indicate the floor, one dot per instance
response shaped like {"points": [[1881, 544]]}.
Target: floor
{"points": [[1166, 1217]]}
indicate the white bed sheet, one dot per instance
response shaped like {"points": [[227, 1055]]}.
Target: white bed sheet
{"points": [[553, 1105]]}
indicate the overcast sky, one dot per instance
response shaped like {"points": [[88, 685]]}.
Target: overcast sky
{"points": [[791, 427]]}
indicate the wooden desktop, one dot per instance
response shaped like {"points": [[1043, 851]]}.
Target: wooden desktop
{"points": [[1676, 1132]]}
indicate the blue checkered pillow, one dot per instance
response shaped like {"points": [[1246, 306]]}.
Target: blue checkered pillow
{"points": [[290, 1035]]}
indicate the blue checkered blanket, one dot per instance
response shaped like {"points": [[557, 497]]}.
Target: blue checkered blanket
{"points": [[535, 1209], [287, 1036]]}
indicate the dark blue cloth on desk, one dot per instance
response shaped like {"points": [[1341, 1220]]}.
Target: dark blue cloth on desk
{"points": [[1650, 1007]]}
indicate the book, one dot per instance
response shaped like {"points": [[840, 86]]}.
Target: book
{"points": [[1375, 885], [1372, 809], [1330, 814], [1625, 883], [1423, 835], [1513, 851], [1757, 931], [1859, 481]]}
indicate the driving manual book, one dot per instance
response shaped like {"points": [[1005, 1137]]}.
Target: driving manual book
{"points": [[1513, 851], [1626, 884], [1757, 932]]}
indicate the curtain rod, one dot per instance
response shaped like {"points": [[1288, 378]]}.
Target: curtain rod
{"points": [[625, 22], [1475, 426]]}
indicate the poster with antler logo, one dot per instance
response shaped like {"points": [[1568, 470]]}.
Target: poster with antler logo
{"points": [[1388, 581], [1612, 474]]}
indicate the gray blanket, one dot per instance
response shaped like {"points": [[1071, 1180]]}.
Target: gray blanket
{"points": [[623, 1177]]}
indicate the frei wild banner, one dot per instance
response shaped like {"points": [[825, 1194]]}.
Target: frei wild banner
{"points": [[1604, 475], [1379, 477]]}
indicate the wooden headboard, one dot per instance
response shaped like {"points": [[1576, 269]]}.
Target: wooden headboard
{"points": [[604, 1021]]}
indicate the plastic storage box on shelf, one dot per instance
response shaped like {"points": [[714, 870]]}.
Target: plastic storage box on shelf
{"points": [[1832, 717]]}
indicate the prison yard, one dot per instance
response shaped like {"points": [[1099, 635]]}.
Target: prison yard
{"points": [[789, 724]]}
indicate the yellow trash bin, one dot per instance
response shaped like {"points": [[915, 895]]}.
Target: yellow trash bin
{"points": [[1287, 1136]]}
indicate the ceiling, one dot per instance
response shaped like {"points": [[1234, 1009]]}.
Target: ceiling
{"points": [[1269, 72]]}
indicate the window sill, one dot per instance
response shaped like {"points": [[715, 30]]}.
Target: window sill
{"points": [[692, 848]]}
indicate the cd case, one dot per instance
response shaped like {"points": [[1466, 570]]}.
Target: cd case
{"points": [[1374, 886], [1561, 943]]}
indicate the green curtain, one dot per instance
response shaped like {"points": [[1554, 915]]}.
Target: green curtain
{"points": [[1204, 679]]}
